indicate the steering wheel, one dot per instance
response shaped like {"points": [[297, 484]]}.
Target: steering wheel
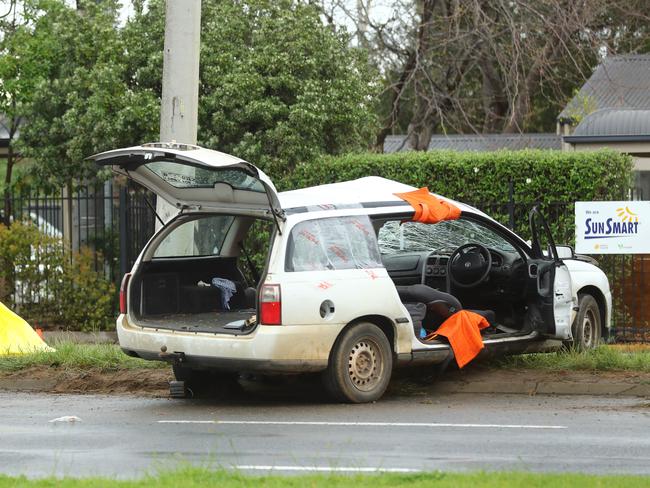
{"points": [[469, 265]]}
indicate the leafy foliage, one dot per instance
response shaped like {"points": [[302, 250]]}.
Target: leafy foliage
{"points": [[84, 297], [551, 178], [29, 260], [277, 87], [86, 98], [50, 285]]}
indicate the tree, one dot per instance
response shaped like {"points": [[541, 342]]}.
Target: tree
{"points": [[17, 78], [88, 98], [277, 87], [488, 66]]}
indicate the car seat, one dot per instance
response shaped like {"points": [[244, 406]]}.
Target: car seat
{"points": [[440, 305]]}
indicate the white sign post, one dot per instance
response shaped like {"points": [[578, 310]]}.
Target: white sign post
{"points": [[613, 227]]}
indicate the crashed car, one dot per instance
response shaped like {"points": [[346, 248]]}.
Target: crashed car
{"points": [[350, 284]]}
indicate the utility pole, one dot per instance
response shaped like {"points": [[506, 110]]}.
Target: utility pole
{"points": [[179, 108]]}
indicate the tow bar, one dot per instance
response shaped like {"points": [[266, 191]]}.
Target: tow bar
{"points": [[177, 389]]}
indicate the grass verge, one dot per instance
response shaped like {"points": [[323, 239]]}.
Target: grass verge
{"points": [[109, 357], [199, 477], [603, 358], [104, 357]]}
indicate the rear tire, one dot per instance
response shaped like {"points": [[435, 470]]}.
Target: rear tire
{"points": [[587, 326], [360, 365]]}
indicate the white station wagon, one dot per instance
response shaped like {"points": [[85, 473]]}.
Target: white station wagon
{"points": [[349, 286]]}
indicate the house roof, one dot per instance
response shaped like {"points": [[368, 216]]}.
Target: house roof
{"points": [[619, 82], [479, 142], [613, 125]]}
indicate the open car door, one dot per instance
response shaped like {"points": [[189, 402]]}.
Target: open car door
{"points": [[551, 278], [191, 177]]}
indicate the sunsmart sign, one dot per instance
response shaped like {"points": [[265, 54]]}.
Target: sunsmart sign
{"points": [[613, 227]]}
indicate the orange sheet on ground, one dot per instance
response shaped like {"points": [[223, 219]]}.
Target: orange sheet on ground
{"points": [[429, 209], [463, 329]]}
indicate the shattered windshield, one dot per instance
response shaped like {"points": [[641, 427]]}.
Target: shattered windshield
{"points": [[181, 175], [445, 236]]}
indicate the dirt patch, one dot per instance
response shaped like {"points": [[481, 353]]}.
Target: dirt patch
{"points": [[409, 382], [536, 375], [482, 379], [144, 382]]}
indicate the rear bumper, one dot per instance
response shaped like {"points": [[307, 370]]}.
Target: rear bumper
{"points": [[304, 348]]}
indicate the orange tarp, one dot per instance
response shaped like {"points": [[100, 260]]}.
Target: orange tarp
{"points": [[428, 208], [463, 329]]}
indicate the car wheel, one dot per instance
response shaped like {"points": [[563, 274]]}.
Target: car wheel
{"points": [[360, 365], [587, 326], [202, 383]]}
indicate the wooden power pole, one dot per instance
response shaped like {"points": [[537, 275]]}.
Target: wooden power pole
{"points": [[179, 109]]}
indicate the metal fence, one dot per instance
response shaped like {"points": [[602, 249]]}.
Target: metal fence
{"points": [[115, 222]]}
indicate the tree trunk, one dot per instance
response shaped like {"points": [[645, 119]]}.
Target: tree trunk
{"points": [[11, 161], [397, 91], [7, 193], [420, 128]]}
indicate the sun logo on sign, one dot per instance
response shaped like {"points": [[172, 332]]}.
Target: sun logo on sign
{"points": [[627, 215]]}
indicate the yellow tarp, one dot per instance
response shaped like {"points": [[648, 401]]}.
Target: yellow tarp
{"points": [[16, 336]]}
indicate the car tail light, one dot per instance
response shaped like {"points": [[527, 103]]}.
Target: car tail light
{"points": [[270, 305], [123, 288]]}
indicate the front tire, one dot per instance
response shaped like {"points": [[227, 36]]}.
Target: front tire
{"points": [[587, 326], [360, 366]]}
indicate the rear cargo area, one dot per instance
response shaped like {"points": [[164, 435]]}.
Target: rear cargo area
{"points": [[178, 294], [199, 274]]}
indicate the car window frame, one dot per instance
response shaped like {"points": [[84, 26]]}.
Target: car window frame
{"points": [[161, 239]]}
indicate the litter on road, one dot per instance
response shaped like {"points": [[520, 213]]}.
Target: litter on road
{"points": [[66, 418]]}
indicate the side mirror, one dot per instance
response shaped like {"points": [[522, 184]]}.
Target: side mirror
{"points": [[565, 252]]}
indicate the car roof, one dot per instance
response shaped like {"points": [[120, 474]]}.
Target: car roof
{"points": [[368, 190]]}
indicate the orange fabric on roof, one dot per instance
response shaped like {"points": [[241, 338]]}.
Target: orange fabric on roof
{"points": [[463, 329], [428, 208]]}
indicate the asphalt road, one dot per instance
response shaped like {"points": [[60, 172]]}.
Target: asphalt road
{"points": [[128, 436]]}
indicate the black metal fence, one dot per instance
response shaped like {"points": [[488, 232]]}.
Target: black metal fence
{"points": [[116, 221]]}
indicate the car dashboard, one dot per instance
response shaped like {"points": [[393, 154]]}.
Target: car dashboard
{"points": [[431, 269]]}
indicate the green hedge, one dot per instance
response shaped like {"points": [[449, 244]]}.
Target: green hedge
{"points": [[555, 179], [483, 176]]}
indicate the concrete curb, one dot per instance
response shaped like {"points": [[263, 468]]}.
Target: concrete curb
{"points": [[604, 388]]}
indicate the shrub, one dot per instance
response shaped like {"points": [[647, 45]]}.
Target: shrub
{"points": [[85, 298], [552, 178], [483, 176], [47, 284], [29, 262]]}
